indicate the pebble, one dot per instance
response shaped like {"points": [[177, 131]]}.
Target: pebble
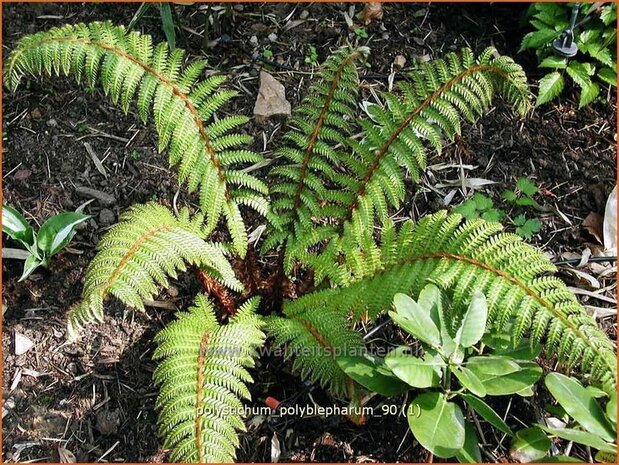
{"points": [[106, 217], [271, 99], [52, 123], [22, 344]]}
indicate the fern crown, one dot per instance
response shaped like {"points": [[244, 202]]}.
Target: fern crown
{"points": [[339, 176]]}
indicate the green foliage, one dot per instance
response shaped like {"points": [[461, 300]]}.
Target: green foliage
{"points": [[167, 20], [361, 33], [312, 56], [331, 199], [53, 236], [596, 40], [586, 421], [137, 255], [371, 179], [127, 67], [315, 340], [479, 206], [202, 377], [530, 445], [448, 338], [522, 295], [526, 227]]}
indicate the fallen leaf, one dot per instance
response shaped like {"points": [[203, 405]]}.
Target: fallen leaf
{"points": [[66, 456], [276, 450], [371, 11], [22, 175], [593, 224], [610, 222]]}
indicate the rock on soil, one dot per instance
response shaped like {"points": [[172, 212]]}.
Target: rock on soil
{"points": [[106, 217], [271, 99], [22, 344]]}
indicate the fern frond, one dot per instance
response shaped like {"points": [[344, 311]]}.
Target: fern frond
{"points": [[202, 376], [440, 95], [311, 172], [137, 255], [463, 257], [128, 67], [314, 339]]}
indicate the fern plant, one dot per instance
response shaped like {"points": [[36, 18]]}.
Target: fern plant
{"points": [[340, 257]]}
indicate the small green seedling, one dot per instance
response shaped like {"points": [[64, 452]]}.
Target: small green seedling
{"points": [[135, 155], [312, 57], [452, 368], [523, 194], [480, 206], [361, 33], [267, 53], [526, 227], [54, 235]]}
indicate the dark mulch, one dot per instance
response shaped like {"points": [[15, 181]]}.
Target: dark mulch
{"points": [[96, 398]]}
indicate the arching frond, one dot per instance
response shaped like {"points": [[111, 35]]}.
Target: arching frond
{"points": [[128, 67], [316, 153], [139, 253], [202, 374], [464, 256]]}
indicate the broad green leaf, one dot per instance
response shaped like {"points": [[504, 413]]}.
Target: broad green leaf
{"points": [[596, 392], [473, 322], [509, 383], [523, 351], [469, 380], [611, 409], [581, 437], [57, 231], [31, 264], [550, 86], [434, 299], [415, 371], [487, 413], [365, 371], [608, 76], [470, 452], [588, 94], [17, 227], [415, 320], [437, 424], [580, 405], [538, 39], [553, 61], [579, 73], [529, 445], [167, 24], [492, 364]]}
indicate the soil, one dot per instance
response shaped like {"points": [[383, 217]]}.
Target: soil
{"points": [[95, 398]]}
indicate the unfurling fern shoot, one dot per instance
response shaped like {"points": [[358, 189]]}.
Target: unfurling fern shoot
{"points": [[340, 174]]}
